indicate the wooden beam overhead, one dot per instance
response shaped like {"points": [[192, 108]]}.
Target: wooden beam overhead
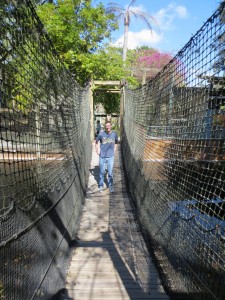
{"points": [[111, 92], [108, 82], [107, 91], [102, 90]]}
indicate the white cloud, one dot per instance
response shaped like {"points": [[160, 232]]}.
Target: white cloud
{"points": [[181, 12], [166, 16], [142, 38]]}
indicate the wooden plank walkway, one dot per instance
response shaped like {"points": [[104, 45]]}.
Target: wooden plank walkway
{"points": [[111, 260]]}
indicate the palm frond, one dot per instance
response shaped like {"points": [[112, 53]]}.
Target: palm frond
{"points": [[130, 4], [143, 16], [126, 14], [113, 5], [114, 8]]}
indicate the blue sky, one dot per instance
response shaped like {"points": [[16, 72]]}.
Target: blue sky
{"points": [[178, 22]]}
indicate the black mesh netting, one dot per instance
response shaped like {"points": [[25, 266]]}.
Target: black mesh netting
{"points": [[173, 146], [173, 150], [45, 152]]}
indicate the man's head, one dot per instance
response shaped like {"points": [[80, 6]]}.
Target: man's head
{"points": [[108, 127]]}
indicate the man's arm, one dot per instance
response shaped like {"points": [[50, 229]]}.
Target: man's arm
{"points": [[115, 147], [97, 147], [116, 143]]}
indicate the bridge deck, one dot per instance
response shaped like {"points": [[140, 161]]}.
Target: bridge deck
{"points": [[111, 260]]}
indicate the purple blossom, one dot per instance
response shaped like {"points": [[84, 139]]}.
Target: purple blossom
{"points": [[153, 59]]}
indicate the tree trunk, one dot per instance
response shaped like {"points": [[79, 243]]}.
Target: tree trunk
{"points": [[125, 41]]}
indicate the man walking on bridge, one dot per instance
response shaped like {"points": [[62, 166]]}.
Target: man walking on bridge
{"points": [[106, 146]]}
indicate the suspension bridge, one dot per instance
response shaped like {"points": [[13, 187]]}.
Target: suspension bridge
{"points": [[161, 235]]}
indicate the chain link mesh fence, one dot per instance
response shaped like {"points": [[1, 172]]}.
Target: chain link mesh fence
{"points": [[173, 144], [45, 151]]}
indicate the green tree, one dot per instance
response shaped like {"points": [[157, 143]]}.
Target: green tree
{"points": [[126, 14], [108, 65], [12, 61], [77, 29]]}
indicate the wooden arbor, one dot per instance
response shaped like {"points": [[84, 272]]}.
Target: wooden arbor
{"points": [[103, 87]]}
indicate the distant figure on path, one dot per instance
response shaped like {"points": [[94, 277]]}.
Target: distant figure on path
{"points": [[98, 127]]}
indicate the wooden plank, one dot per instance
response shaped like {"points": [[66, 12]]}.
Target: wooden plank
{"points": [[103, 265]]}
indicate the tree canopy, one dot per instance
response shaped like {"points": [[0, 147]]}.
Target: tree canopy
{"points": [[77, 29], [80, 31]]}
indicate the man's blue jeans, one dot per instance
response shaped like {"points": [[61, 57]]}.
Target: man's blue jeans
{"points": [[102, 162]]}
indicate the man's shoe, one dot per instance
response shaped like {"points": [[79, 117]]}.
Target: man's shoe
{"points": [[100, 189]]}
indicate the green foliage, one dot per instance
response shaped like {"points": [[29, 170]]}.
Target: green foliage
{"points": [[18, 59], [111, 102], [108, 65], [26, 77], [77, 30]]}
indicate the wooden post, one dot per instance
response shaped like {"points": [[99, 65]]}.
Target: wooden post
{"points": [[171, 96], [91, 112], [122, 107], [144, 76], [38, 131], [122, 99]]}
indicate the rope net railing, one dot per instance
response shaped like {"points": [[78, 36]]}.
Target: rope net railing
{"points": [[173, 145], [45, 152]]}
